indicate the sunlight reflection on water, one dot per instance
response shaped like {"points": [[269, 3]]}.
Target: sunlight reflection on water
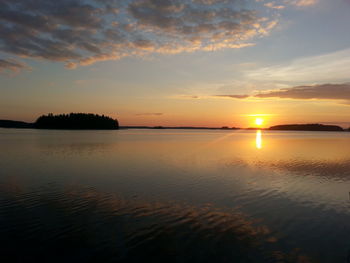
{"points": [[293, 184], [258, 139]]}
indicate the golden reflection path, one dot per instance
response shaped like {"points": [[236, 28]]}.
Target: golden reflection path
{"points": [[258, 140]]}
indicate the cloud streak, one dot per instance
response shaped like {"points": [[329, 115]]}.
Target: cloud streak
{"points": [[80, 32], [326, 68], [11, 65], [339, 92], [302, 2], [283, 4]]}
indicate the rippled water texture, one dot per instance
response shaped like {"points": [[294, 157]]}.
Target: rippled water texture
{"points": [[174, 196]]}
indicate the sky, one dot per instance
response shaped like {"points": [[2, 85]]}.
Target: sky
{"points": [[177, 62]]}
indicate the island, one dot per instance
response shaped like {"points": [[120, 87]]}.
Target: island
{"points": [[306, 127], [180, 127], [76, 121], [15, 124], [90, 121]]}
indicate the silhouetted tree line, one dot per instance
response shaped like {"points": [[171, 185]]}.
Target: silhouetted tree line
{"points": [[79, 121], [306, 127]]}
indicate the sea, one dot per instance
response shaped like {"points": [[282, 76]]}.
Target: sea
{"points": [[159, 195]]}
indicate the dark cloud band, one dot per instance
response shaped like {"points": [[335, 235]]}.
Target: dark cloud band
{"points": [[321, 92]]}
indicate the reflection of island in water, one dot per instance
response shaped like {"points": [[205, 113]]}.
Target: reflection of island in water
{"points": [[295, 127], [132, 230], [296, 180]]}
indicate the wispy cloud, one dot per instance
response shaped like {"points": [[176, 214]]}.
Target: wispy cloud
{"points": [[234, 96], [283, 4], [301, 2], [274, 5], [12, 65], [338, 92], [79, 32], [332, 67]]}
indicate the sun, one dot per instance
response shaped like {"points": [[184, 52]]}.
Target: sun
{"points": [[259, 121]]}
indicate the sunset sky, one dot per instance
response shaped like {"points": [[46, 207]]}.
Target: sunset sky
{"points": [[177, 63]]}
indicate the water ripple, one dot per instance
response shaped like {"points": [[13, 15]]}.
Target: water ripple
{"points": [[87, 226]]}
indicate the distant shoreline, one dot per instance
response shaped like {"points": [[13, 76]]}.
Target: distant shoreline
{"points": [[288, 127]]}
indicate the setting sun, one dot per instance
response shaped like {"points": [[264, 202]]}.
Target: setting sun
{"points": [[259, 121], [226, 122]]}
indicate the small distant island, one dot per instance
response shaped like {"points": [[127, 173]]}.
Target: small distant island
{"points": [[76, 121], [306, 127], [16, 124]]}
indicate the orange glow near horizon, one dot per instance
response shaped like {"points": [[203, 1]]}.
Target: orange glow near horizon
{"points": [[258, 120]]}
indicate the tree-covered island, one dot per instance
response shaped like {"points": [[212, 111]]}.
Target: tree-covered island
{"points": [[76, 121], [306, 127]]}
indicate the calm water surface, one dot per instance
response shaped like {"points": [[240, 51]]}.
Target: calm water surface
{"points": [[174, 196]]}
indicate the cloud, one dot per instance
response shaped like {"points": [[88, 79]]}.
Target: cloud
{"points": [[324, 92], [340, 92], [301, 2], [283, 4], [11, 65], [78, 32], [274, 5], [326, 68], [187, 97], [234, 96]]}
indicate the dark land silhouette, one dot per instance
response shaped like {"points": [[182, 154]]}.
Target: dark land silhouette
{"points": [[15, 124], [76, 121], [179, 128], [188, 128], [306, 127], [90, 121]]}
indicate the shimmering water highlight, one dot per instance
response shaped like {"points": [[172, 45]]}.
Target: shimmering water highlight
{"points": [[174, 196]]}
